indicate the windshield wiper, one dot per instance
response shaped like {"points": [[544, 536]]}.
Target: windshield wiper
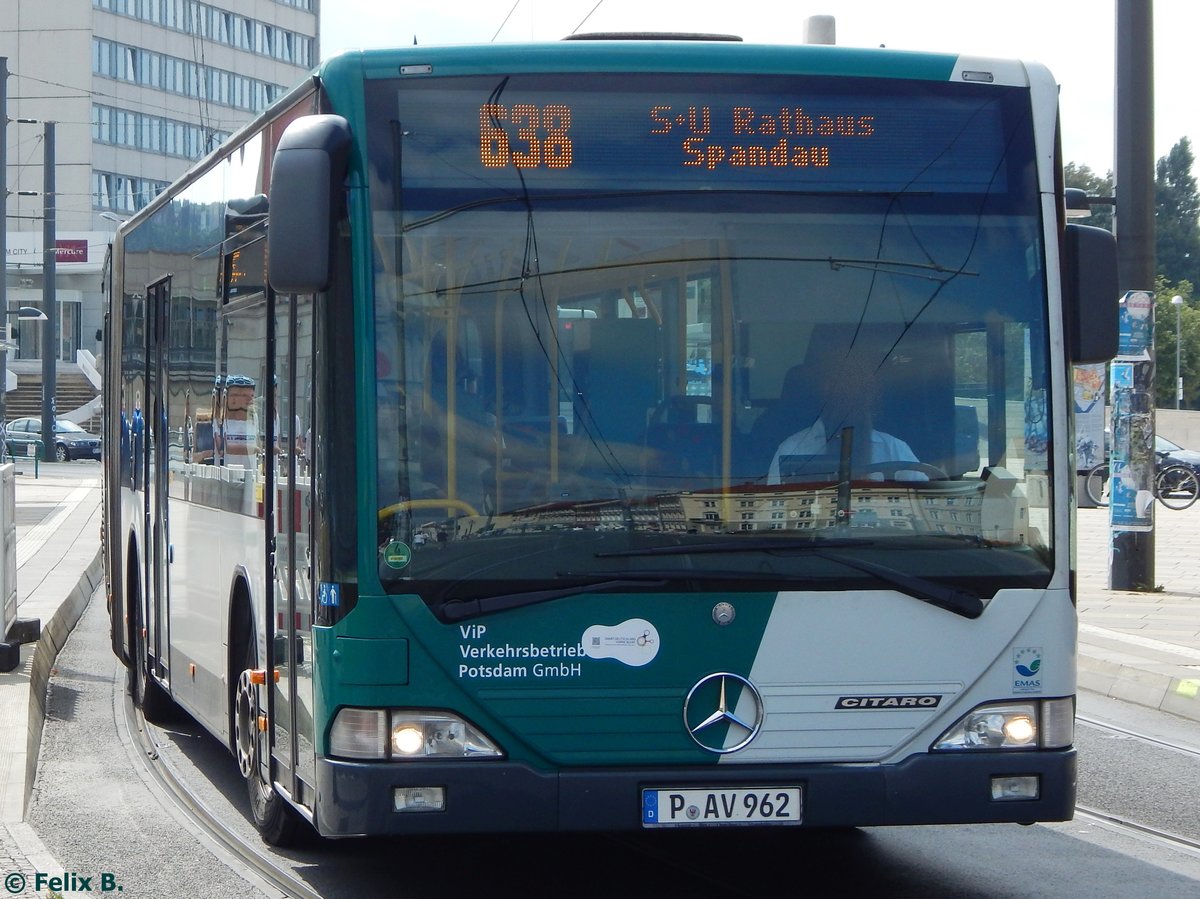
{"points": [[745, 544], [601, 582], [458, 609], [952, 599]]}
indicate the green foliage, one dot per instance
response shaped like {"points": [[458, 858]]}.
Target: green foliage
{"points": [[1084, 178], [1166, 344], [1177, 215], [1177, 261]]}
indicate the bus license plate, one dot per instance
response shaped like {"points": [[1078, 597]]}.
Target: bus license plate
{"points": [[701, 807]]}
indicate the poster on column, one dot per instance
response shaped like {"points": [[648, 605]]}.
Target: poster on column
{"points": [[1136, 325], [1131, 379], [1090, 445]]}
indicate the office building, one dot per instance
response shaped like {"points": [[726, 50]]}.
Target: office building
{"points": [[138, 91]]}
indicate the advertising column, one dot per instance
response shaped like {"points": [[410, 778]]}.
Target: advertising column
{"points": [[1131, 467]]}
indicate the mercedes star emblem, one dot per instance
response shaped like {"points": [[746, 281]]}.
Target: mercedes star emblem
{"points": [[722, 730]]}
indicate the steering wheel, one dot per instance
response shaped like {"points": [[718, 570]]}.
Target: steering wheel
{"points": [[447, 504], [890, 469]]}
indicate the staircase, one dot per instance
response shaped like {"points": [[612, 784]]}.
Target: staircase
{"points": [[72, 391]]}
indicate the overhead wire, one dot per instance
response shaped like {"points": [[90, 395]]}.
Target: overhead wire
{"points": [[516, 3], [599, 3]]}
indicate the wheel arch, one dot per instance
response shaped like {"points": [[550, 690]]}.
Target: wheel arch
{"points": [[242, 629], [131, 591]]}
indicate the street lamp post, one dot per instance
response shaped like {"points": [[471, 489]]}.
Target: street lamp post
{"points": [[25, 313], [1177, 302]]}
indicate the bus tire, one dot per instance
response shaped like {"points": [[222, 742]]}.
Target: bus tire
{"points": [[278, 824], [148, 694]]}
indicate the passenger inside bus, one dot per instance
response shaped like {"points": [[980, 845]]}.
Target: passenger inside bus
{"points": [[848, 394], [239, 431]]}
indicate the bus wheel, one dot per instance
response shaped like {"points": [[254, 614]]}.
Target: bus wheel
{"points": [[278, 824]]}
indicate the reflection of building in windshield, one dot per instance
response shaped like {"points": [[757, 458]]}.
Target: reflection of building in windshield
{"points": [[969, 509]]}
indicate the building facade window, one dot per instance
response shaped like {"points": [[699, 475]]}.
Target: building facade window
{"points": [[178, 76], [221, 26], [151, 133], [123, 193]]}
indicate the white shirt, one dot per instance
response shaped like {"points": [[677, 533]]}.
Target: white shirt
{"points": [[812, 441], [241, 437]]}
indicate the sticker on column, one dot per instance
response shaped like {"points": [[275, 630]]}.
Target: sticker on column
{"points": [[633, 642]]}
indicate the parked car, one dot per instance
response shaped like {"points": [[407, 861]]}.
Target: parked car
{"points": [[70, 440], [1170, 454]]}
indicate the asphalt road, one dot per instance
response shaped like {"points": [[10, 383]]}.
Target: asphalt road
{"points": [[97, 814]]}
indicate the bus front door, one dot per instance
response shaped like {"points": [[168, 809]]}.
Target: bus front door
{"points": [[293, 739], [157, 621]]}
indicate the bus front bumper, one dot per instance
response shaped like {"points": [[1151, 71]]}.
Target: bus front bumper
{"points": [[355, 798]]}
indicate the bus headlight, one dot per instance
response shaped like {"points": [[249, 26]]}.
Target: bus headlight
{"points": [[420, 735], [1043, 724], [401, 734], [359, 734]]}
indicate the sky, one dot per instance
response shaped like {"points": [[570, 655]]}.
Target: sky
{"points": [[1074, 38]]}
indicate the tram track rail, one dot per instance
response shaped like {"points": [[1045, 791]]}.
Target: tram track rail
{"points": [[271, 878], [1143, 831], [1123, 823], [1145, 738]]}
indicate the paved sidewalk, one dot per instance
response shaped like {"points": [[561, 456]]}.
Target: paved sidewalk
{"points": [[1139, 647], [58, 569], [1142, 647]]}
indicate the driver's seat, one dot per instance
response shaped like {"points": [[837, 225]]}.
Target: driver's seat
{"points": [[796, 409]]}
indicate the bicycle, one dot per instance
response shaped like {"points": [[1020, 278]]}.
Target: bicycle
{"points": [[1175, 486]]}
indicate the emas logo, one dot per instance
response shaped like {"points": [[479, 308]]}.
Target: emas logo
{"points": [[1027, 668]]}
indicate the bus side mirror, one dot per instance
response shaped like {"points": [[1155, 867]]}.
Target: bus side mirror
{"points": [[1091, 293], [308, 175]]}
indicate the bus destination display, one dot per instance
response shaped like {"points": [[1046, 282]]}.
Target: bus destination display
{"points": [[770, 133], [529, 136]]}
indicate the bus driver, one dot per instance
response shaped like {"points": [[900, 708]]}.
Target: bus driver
{"points": [[848, 396]]}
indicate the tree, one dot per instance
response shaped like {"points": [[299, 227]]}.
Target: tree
{"points": [[1167, 344], [1085, 179], [1177, 215], [1177, 251]]}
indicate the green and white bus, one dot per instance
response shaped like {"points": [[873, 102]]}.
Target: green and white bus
{"points": [[486, 459]]}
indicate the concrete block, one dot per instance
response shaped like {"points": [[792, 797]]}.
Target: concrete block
{"points": [[25, 630], [10, 656]]}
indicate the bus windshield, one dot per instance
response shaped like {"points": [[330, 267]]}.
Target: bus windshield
{"points": [[637, 330]]}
